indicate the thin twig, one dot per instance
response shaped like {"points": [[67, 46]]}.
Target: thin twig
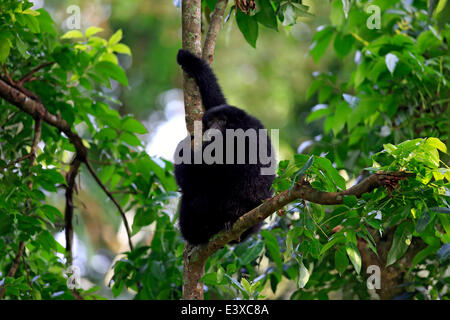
{"points": [[20, 159], [110, 196], [29, 75], [11, 116]]}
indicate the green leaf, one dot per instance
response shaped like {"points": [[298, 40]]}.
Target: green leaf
{"points": [[115, 38], [315, 85], [291, 235], [266, 14], [72, 34], [246, 284], [337, 238], [325, 93], [340, 261], [303, 274], [389, 148], [238, 286], [92, 30], [272, 245], [401, 242], [355, 257], [52, 176], [106, 173], [350, 201], [210, 279], [5, 47], [423, 221], [248, 26], [211, 4], [122, 48], [143, 217], [321, 42], [317, 114], [85, 83], [438, 144], [51, 212], [113, 71], [360, 74], [107, 134], [343, 44], [340, 117], [331, 172], [31, 12], [130, 139], [422, 254], [302, 171], [252, 253], [32, 23], [132, 125], [427, 41]]}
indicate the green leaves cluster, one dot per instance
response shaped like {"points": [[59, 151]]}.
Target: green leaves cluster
{"points": [[75, 87], [269, 14]]}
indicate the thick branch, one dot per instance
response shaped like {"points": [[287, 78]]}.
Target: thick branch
{"points": [[199, 254], [213, 30], [38, 111], [191, 14]]}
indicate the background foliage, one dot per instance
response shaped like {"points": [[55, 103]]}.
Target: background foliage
{"points": [[373, 99]]}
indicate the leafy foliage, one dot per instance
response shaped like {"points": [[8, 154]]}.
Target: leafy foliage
{"points": [[73, 87], [387, 116]]}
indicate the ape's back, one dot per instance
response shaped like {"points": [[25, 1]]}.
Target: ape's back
{"points": [[214, 196]]}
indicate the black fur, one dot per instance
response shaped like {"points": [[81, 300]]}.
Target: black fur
{"points": [[215, 196], [210, 91]]}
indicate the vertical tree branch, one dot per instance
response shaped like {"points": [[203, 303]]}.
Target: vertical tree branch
{"points": [[191, 12], [68, 214], [213, 30]]}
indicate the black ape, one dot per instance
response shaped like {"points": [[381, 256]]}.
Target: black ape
{"points": [[215, 195]]}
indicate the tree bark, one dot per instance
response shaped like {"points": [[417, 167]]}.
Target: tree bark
{"points": [[213, 30], [191, 16]]}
